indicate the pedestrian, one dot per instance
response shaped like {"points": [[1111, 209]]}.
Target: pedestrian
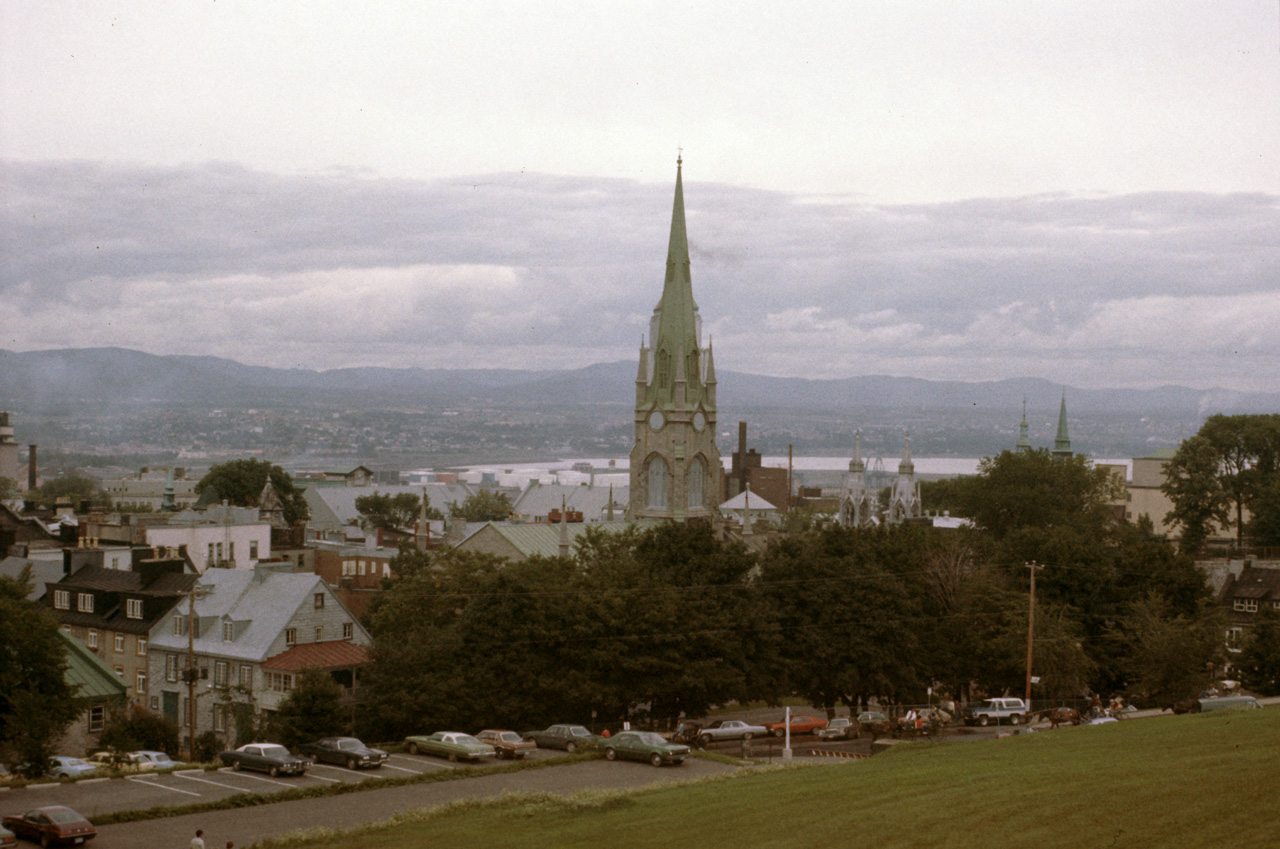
{"points": [[231, 844], [197, 842]]}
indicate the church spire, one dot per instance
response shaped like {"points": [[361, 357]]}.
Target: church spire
{"points": [[906, 467], [856, 464], [1024, 431], [1062, 445]]}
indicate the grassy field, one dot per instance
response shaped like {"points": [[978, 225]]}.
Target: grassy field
{"points": [[1198, 780]]}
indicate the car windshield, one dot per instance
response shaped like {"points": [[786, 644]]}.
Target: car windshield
{"points": [[838, 722], [651, 738], [72, 762], [510, 737], [348, 743], [275, 752], [464, 738], [579, 731], [63, 816]]}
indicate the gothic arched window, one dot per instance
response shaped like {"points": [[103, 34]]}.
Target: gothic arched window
{"points": [[657, 474], [697, 482]]}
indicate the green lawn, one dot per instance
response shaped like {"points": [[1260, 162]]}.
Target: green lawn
{"points": [[1198, 780]]}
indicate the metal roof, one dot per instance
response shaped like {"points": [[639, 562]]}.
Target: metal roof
{"points": [[88, 675]]}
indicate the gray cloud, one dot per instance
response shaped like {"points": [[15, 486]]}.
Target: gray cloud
{"points": [[530, 270]]}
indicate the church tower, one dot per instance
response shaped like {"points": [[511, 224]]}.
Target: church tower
{"points": [[857, 501], [1062, 444], [1024, 432], [675, 466], [904, 503]]}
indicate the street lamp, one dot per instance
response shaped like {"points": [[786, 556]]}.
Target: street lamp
{"points": [[191, 673]]}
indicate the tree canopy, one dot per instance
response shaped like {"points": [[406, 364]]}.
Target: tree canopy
{"points": [[386, 511], [241, 482], [483, 506]]}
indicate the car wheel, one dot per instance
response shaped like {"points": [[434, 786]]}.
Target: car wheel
{"points": [[778, 732], [351, 763], [984, 720], [570, 747], [655, 759], [44, 841], [703, 740], [1015, 719], [610, 755], [746, 738], [274, 772], [413, 748], [237, 766]]}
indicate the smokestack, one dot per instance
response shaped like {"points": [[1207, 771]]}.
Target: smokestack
{"points": [[742, 438], [31, 467]]}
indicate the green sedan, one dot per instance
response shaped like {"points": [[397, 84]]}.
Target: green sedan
{"points": [[643, 746], [450, 744]]}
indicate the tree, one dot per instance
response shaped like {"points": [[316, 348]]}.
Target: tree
{"points": [[483, 506], [313, 709], [1192, 484], [1259, 659], [1171, 655], [36, 702], [1033, 489], [393, 511], [8, 488], [130, 729], [75, 488], [241, 482]]}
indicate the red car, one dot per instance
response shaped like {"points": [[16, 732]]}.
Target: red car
{"points": [[801, 723], [52, 825]]}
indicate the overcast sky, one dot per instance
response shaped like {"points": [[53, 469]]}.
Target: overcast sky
{"points": [[1082, 191]]}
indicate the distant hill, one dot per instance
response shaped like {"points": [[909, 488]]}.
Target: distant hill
{"points": [[43, 379]]}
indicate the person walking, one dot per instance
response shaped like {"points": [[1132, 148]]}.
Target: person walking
{"points": [[197, 842]]}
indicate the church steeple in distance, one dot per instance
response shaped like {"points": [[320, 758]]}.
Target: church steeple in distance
{"points": [[675, 466], [1024, 431], [1062, 444]]}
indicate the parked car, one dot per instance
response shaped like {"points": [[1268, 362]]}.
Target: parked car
{"points": [[151, 759], [508, 744], [61, 766], [118, 761], [801, 723], [567, 737], [52, 825], [729, 729], [1226, 703], [644, 746], [997, 711], [874, 722], [453, 745], [347, 751], [270, 758], [840, 728], [7, 838]]}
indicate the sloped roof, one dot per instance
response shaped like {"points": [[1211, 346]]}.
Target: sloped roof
{"points": [[742, 502], [544, 539], [330, 654], [335, 506], [539, 499], [88, 675], [42, 572]]}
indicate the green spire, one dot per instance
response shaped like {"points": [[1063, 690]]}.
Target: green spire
{"points": [[1024, 431], [674, 327], [1062, 445]]}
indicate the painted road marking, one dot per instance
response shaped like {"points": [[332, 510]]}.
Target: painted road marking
{"points": [[403, 769], [162, 786], [216, 783], [258, 777]]}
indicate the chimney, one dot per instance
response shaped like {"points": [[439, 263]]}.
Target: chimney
{"points": [[31, 467]]}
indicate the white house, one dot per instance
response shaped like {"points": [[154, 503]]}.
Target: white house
{"points": [[224, 537]]}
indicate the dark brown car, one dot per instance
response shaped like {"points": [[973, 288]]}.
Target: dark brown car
{"points": [[52, 826], [507, 744]]}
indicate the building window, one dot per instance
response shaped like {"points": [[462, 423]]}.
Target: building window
{"points": [[155, 704], [119, 643], [97, 718], [362, 567], [220, 717], [141, 648], [1248, 605], [348, 630], [231, 551], [115, 562], [62, 599], [140, 681], [279, 682], [290, 636], [133, 608], [171, 667], [1233, 637], [319, 601], [91, 639], [209, 560], [348, 568], [180, 625], [253, 549], [119, 670], [84, 602], [246, 676], [657, 475], [220, 673], [228, 631], [319, 633], [696, 483]]}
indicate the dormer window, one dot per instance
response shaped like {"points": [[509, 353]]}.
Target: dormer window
{"points": [[228, 631], [133, 608], [319, 601], [84, 602], [62, 599]]}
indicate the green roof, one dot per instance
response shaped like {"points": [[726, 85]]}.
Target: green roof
{"points": [[89, 677]]}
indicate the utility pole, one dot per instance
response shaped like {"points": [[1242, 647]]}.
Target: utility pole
{"points": [[191, 673], [1031, 624]]}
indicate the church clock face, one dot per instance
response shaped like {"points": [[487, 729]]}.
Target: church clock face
{"points": [[657, 420], [699, 421]]}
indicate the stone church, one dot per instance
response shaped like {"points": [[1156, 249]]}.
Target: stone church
{"points": [[676, 472]]}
